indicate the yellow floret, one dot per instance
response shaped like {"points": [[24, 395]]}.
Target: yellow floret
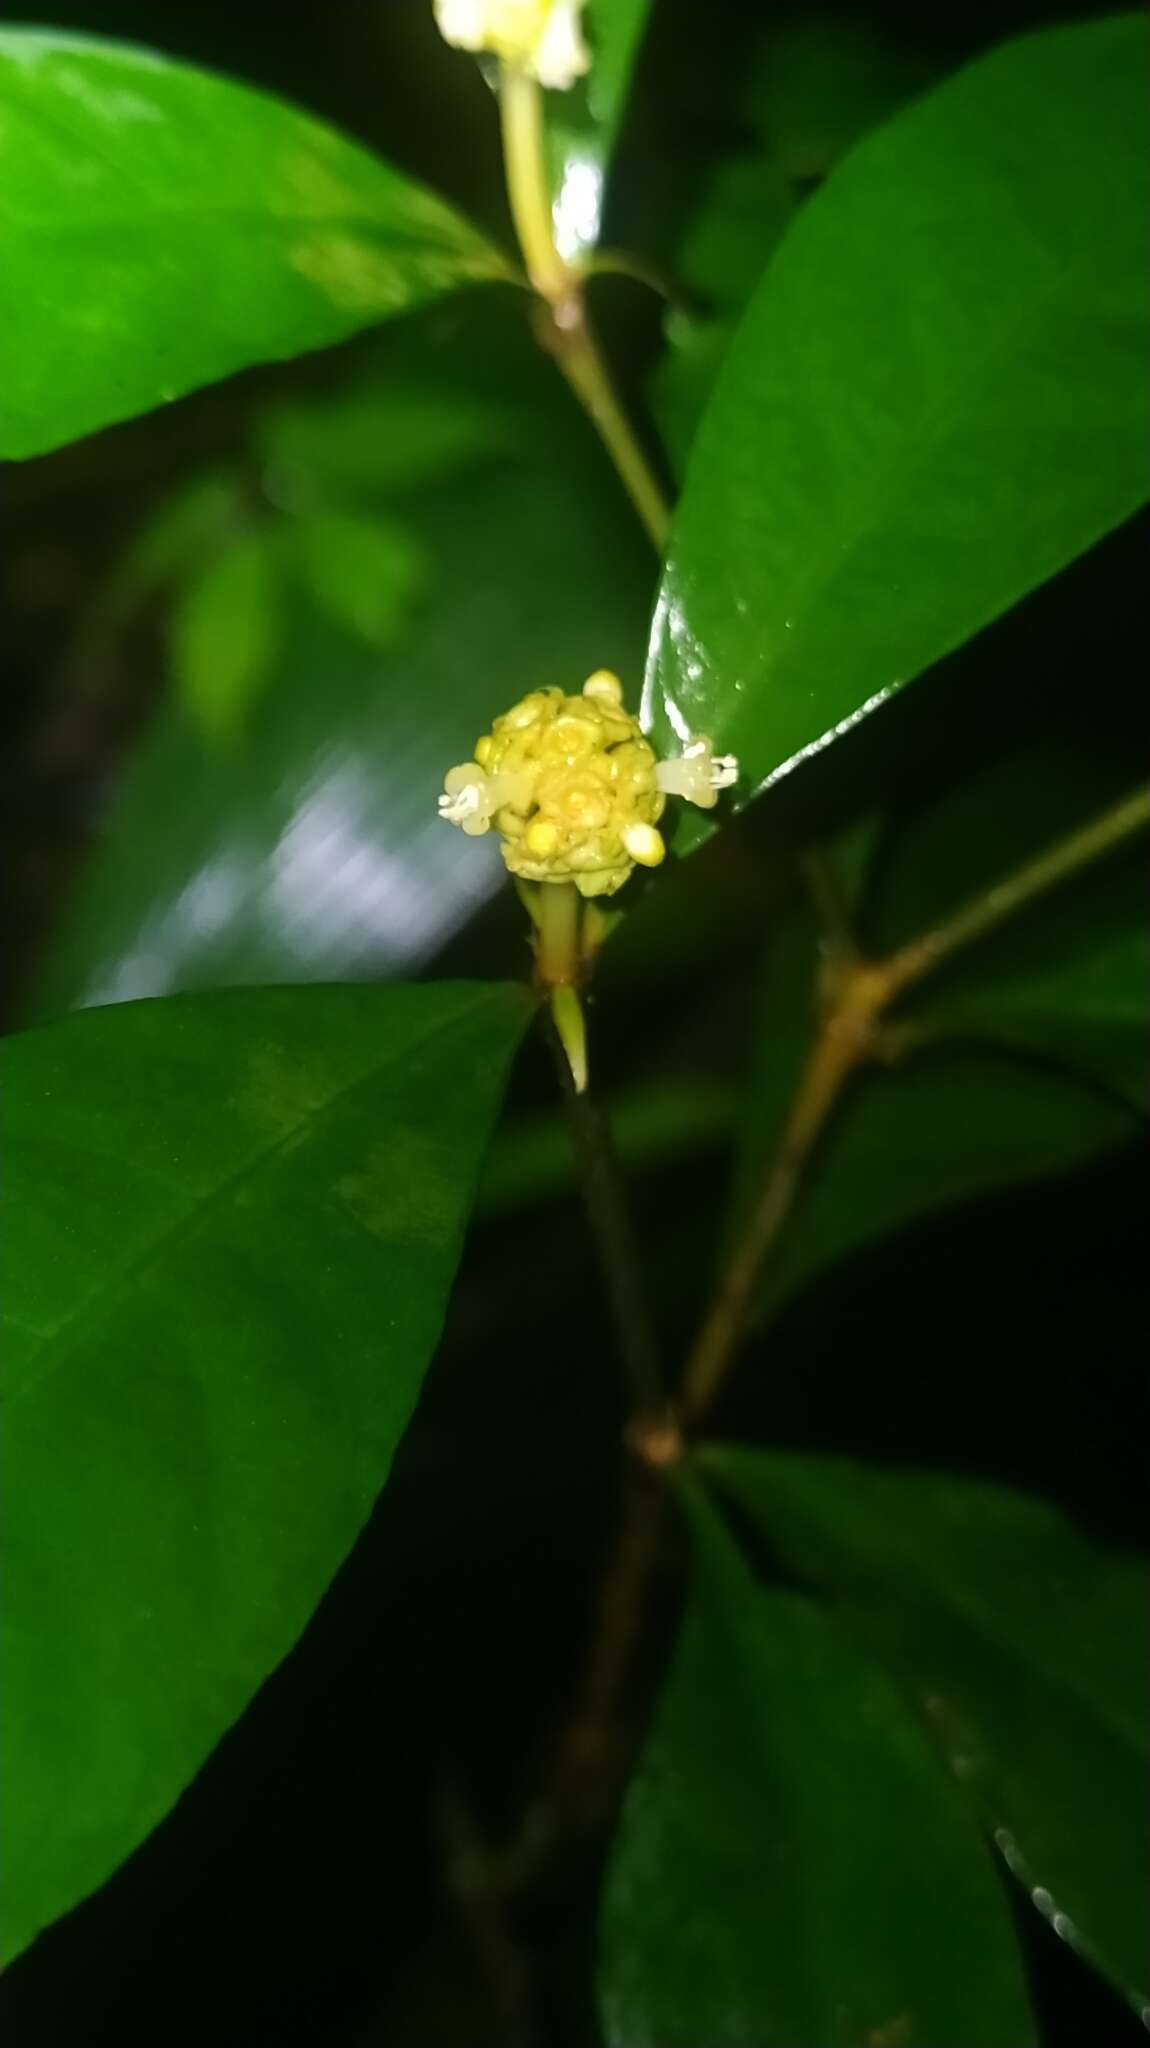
{"points": [[571, 777]]}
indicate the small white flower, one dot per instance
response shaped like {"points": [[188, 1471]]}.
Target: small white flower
{"points": [[698, 775], [541, 37], [467, 799], [471, 796]]}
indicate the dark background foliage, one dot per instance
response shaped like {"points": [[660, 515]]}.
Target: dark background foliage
{"points": [[292, 1897]]}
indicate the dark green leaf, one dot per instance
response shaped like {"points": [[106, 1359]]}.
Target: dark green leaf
{"points": [[957, 318], [233, 1222], [316, 854], [190, 525], [810, 84], [1022, 1642], [165, 227], [792, 1868], [380, 439], [223, 633]]}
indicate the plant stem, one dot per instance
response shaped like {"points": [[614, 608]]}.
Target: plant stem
{"points": [[838, 1049], [568, 335], [558, 945], [577, 353], [922, 955], [849, 1037], [611, 1227], [528, 186]]}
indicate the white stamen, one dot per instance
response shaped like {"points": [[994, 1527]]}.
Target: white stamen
{"points": [[463, 804], [698, 774]]}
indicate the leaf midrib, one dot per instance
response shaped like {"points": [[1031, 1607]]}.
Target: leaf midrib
{"points": [[40, 1363]]}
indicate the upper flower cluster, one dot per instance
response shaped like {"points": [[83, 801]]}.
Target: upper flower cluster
{"points": [[573, 786], [541, 37]]}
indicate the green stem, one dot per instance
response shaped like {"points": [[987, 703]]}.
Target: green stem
{"points": [[577, 353], [528, 186], [979, 916], [568, 335], [558, 946], [611, 1225], [852, 1034]]}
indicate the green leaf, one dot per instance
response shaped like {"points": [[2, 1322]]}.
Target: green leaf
{"points": [[166, 227], [365, 572], [1031, 1059], [223, 632], [583, 123], [379, 439], [955, 320], [767, 1881], [314, 852], [192, 523], [1022, 1643], [234, 1221]]}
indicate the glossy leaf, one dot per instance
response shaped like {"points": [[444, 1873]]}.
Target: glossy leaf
{"points": [[792, 1868], [1030, 1057], [1022, 1643], [957, 313], [164, 227], [234, 1220], [223, 633], [317, 853], [584, 122]]}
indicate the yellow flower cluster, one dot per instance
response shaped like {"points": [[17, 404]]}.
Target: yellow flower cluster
{"points": [[574, 788], [541, 37]]}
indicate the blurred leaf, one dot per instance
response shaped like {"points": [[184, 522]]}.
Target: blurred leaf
{"points": [[811, 83], [376, 440], [365, 572], [1022, 1642], [1033, 1054], [767, 1883], [315, 853], [234, 1223], [223, 631], [191, 522], [958, 313], [582, 124], [166, 227], [666, 1121]]}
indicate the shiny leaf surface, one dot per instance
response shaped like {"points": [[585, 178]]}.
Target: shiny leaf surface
{"points": [[164, 227], [584, 122], [767, 1883], [1023, 1645], [958, 312], [234, 1221], [315, 852]]}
